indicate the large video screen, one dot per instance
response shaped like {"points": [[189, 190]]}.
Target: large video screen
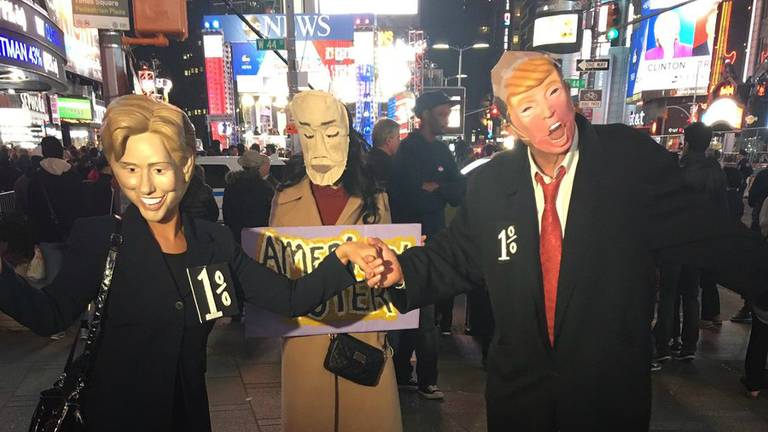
{"points": [[673, 50]]}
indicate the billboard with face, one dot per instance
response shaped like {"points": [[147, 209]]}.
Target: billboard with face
{"points": [[673, 49]]}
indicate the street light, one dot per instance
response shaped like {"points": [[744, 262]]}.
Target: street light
{"points": [[455, 76], [443, 46]]}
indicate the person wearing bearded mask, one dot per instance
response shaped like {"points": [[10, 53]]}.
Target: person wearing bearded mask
{"points": [[148, 372], [333, 188], [564, 230]]}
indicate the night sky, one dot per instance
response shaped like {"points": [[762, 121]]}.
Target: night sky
{"points": [[457, 23]]}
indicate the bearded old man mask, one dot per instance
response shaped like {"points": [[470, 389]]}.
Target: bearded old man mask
{"points": [[323, 126]]}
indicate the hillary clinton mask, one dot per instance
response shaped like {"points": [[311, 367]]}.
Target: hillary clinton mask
{"points": [[323, 127], [150, 146]]}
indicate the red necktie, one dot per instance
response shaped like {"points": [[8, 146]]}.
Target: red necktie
{"points": [[550, 247]]}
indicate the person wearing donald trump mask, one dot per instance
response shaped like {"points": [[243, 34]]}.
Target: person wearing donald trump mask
{"points": [[334, 188], [563, 230], [155, 327]]}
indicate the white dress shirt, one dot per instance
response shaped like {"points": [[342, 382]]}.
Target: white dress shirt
{"points": [[566, 186]]}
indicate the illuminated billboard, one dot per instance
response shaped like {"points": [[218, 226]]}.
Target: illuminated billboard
{"points": [[558, 33], [83, 55], [673, 50], [378, 7]]}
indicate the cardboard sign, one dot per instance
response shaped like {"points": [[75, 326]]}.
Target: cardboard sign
{"points": [[295, 251], [213, 291]]}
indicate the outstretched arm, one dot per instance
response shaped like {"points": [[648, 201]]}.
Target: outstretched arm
{"points": [[284, 296], [53, 308], [444, 268]]}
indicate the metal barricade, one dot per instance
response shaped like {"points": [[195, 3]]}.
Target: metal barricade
{"points": [[7, 203]]}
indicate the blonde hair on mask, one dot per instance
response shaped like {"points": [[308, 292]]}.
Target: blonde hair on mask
{"points": [[528, 75], [136, 114]]}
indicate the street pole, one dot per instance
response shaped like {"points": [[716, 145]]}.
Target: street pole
{"points": [[293, 76], [113, 71], [461, 53]]}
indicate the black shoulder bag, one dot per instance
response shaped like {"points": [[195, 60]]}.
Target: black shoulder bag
{"points": [[355, 360], [59, 407]]}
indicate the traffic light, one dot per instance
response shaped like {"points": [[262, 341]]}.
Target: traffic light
{"points": [[613, 23], [494, 111]]}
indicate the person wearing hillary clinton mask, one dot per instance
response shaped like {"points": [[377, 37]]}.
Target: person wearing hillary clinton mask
{"points": [[333, 189], [160, 306], [563, 231]]}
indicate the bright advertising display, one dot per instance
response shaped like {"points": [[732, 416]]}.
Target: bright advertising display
{"points": [[83, 56], [327, 51], [556, 29], [30, 41], [673, 50], [558, 32], [378, 7], [74, 109]]}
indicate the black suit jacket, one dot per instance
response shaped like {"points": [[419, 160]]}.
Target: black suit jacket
{"points": [[148, 337], [628, 206]]}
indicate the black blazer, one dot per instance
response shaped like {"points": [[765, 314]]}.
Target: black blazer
{"points": [[148, 335], [628, 206]]}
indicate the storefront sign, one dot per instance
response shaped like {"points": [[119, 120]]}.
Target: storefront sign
{"points": [[296, 251], [101, 14], [26, 53], [34, 102], [308, 27], [74, 109], [17, 16]]}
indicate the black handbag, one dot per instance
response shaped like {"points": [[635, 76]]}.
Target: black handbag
{"points": [[355, 360], [59, 407]]}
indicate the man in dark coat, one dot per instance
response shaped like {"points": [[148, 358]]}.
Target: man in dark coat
{"points": [[199, 202], [424, 180], [247, 195], [682, 282], [8, 173], [571, 300], [55, 195], [386, 141]]}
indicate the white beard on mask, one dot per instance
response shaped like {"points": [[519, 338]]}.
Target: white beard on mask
{"points": [[323, 127]]}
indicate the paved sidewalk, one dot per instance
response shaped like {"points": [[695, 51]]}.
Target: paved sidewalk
{"points": [[244, 383]]}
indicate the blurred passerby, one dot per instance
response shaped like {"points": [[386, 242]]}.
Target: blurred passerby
{"points": [[199, 201], [101, 192], [758, 192], [248, 195], [8, 173], [386, 140], [55, 195], [733, 181], [704, 175], [21, 187]]}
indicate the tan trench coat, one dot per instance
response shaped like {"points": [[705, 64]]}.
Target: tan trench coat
{"points": [[309, 391]]}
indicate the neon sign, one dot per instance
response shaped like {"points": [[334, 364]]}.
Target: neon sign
{"points": [[727, 90], [26, 53]]}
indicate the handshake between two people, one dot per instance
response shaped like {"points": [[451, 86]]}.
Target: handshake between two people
{"points": [[375, 258]]}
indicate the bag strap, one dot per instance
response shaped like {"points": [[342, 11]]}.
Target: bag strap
{"points": [[51, 211], [94, 328]]}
